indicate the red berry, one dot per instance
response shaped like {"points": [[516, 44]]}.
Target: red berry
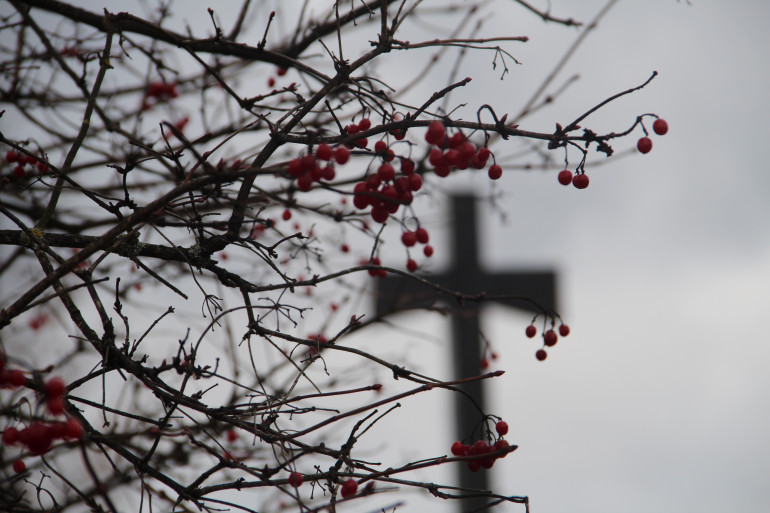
{"points": [[436, 133], [324, 151], [296, 479], [18, 171], [565, 177], [580, 181], [501, 428], [341, 155], [407, 166], [11, 156], [474, 465], [644, 145], [379, 214], [232, 435], [36, 437], [271, 82], [19, 466], [415, 182], [531, 331], [484, 363], [10, 435], [364, 124], [349, 488], [55, 387], [55, 405], [74, 429], [411, 265], [286, 215], [495, 171], [42, 167], [380, 146], [386, 172], [458, 449], [660, 126], [428, 251], [550, 338], [16, 378], [422, 235], [500, 445], [344, 248], [280, 72], [563, 330], [409, 239], [541, 355]]}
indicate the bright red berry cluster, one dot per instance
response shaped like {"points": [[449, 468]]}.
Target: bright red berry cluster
{"points": [[660, 127], [21, 160], [550, 338], [39, 436], [314, 168], [579, 180], [480, 448], [456, 152]]}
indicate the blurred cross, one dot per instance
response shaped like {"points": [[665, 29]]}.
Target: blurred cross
{"points": [[466, 275]]}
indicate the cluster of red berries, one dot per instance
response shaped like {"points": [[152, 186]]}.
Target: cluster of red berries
{"points": [[549, 338], [316, 167], [481, 448], [456, 152], [409, 239], [580, 180], [157, 92], [21, 160], [660, 127], [39, 436]]}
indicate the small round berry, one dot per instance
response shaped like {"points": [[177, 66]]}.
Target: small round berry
{"points": [[341, 155], [644, 145], [232, 435], [415, 182], [380, 146], [411, 265], [541, 355], [10, 435], [458, 449], [324, 151], [349, 488], [296, 479], [502, 428], [271, 82], [580, 181], [422, 235], [74, 430], [55, 405], [364, 124], [286, 215], [11, 156], [428, 251], [18, 171], [550, 338], [474, 465], [16, 378], [409, 239], [500, 445], [280, 72], [531, 331], [565, 177], [660, 126], [495, 172], [19, 466], [563, 330]]}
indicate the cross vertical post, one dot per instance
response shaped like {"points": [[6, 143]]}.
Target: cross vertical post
{"points": [[465, 275]]}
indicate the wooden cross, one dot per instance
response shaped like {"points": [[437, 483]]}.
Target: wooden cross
{"points": [[466, 275]]}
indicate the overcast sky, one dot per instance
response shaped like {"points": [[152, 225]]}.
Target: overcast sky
{"points": [[658, 401]]}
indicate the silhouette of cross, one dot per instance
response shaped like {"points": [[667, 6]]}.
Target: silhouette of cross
{"points": [[466, 275]]}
